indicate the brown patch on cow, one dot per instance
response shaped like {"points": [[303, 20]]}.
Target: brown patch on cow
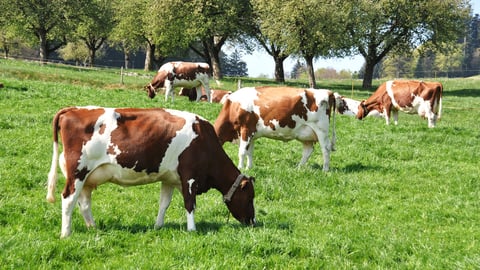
{"points": [[143, 126], [80, 122]]}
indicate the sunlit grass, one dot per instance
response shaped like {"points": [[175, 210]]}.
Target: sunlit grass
{"points": [[397, 197]]}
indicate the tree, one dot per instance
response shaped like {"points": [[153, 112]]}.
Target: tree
{"points": [[297, 70], [380, 27], [45, 21], [96, 23], [266, 31], [233, 65], [397, 66], [211, 23], [128, 32], [312, 29], [77, 52]]}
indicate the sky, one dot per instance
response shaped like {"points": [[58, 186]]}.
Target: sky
{"points": [[259, 63]]}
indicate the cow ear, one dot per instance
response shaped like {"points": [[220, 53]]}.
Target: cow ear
{"points": [[245, 182]]}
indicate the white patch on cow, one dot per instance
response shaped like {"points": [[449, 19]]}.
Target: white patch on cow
{"points": [[190, 183], [166, 67], [245, 99], [94, 152], [90, 107], [190, 222], [180, 142], [389, 86]]}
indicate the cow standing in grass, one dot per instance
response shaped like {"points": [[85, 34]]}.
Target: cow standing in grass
{"points": [[424, 98], [132, 147], [181, 74], [281, 113]]}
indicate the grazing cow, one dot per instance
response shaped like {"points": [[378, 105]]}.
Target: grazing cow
{"points": [[132, 147], [424, 98], [349, 107], [281, 113], [218, 96], [180, 74]]}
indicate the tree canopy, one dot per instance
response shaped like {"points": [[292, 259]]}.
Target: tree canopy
{"points": [[306, 29]]}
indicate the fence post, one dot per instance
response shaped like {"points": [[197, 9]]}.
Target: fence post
{"points": [[121, 75]]}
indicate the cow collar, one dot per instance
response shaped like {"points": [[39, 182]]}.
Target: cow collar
{"points": [[228, 197]]}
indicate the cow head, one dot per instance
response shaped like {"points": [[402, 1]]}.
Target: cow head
{"points": [[362, 110], [239, 200], [150, 90]]}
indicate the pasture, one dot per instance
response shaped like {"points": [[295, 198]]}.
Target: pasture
{"points": [[396, 197]]}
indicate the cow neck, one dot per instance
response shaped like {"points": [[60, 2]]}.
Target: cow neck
{"points": [[228, 196]]}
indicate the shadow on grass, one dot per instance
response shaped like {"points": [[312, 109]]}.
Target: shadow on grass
{"points": [[359, 167], [16, 88], [203, 227], [463, 93]]}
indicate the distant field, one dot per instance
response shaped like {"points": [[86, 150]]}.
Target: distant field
{"points": [[397, 197]]}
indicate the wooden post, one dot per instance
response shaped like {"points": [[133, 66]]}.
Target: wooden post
{"points": [[121, 75]]}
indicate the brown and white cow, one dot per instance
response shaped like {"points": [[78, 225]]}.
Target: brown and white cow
{"points": [[181, 74], [132, 147], [424, 98], [281, 113], [218, 96], [349, 107]]}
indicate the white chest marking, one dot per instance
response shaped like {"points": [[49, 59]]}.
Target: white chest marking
{"points": [[190, 183]]}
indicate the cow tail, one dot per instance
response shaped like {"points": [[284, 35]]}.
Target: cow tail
{"points": [[333, 113], [52, 175], [439, 115]]}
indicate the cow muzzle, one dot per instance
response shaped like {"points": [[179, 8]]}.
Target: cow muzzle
{"points": [[151, 90]]}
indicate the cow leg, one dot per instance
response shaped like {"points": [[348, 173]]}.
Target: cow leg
{"points": [[245, 150], [208, 92], [198, 89], [85, 205], [189, 191], [431, 116], [166, 193], [386, 112], [169, 91], [68, 204], [307, 151], [395, 117], [325, 145]]}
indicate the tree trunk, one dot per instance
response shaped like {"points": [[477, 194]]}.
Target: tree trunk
{"points": [[126, 59], [91, 57], [213, 55], [42, 35], [279, 71], [310, 72], [368, 76], [149, 57]]}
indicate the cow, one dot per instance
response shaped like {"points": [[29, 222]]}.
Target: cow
{"points": [[217, 96], [349, 107], [180, 74], [424, 98], [131, 147], [282, 113]]}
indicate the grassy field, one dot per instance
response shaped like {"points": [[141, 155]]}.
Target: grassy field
{"points": [[397, 197]]}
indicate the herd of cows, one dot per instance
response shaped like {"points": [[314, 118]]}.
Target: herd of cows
{"points": [[184, 151]]}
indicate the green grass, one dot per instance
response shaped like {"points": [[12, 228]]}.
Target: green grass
{"points": [[397, 197]]}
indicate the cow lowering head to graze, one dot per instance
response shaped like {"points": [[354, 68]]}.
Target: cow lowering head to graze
{"points": [[349, 107], [180, 74], [132, 147], [281, 113], [217, 96], [424, 98]]}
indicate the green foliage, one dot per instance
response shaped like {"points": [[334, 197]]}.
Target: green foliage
{"points": [[397, 197]]}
